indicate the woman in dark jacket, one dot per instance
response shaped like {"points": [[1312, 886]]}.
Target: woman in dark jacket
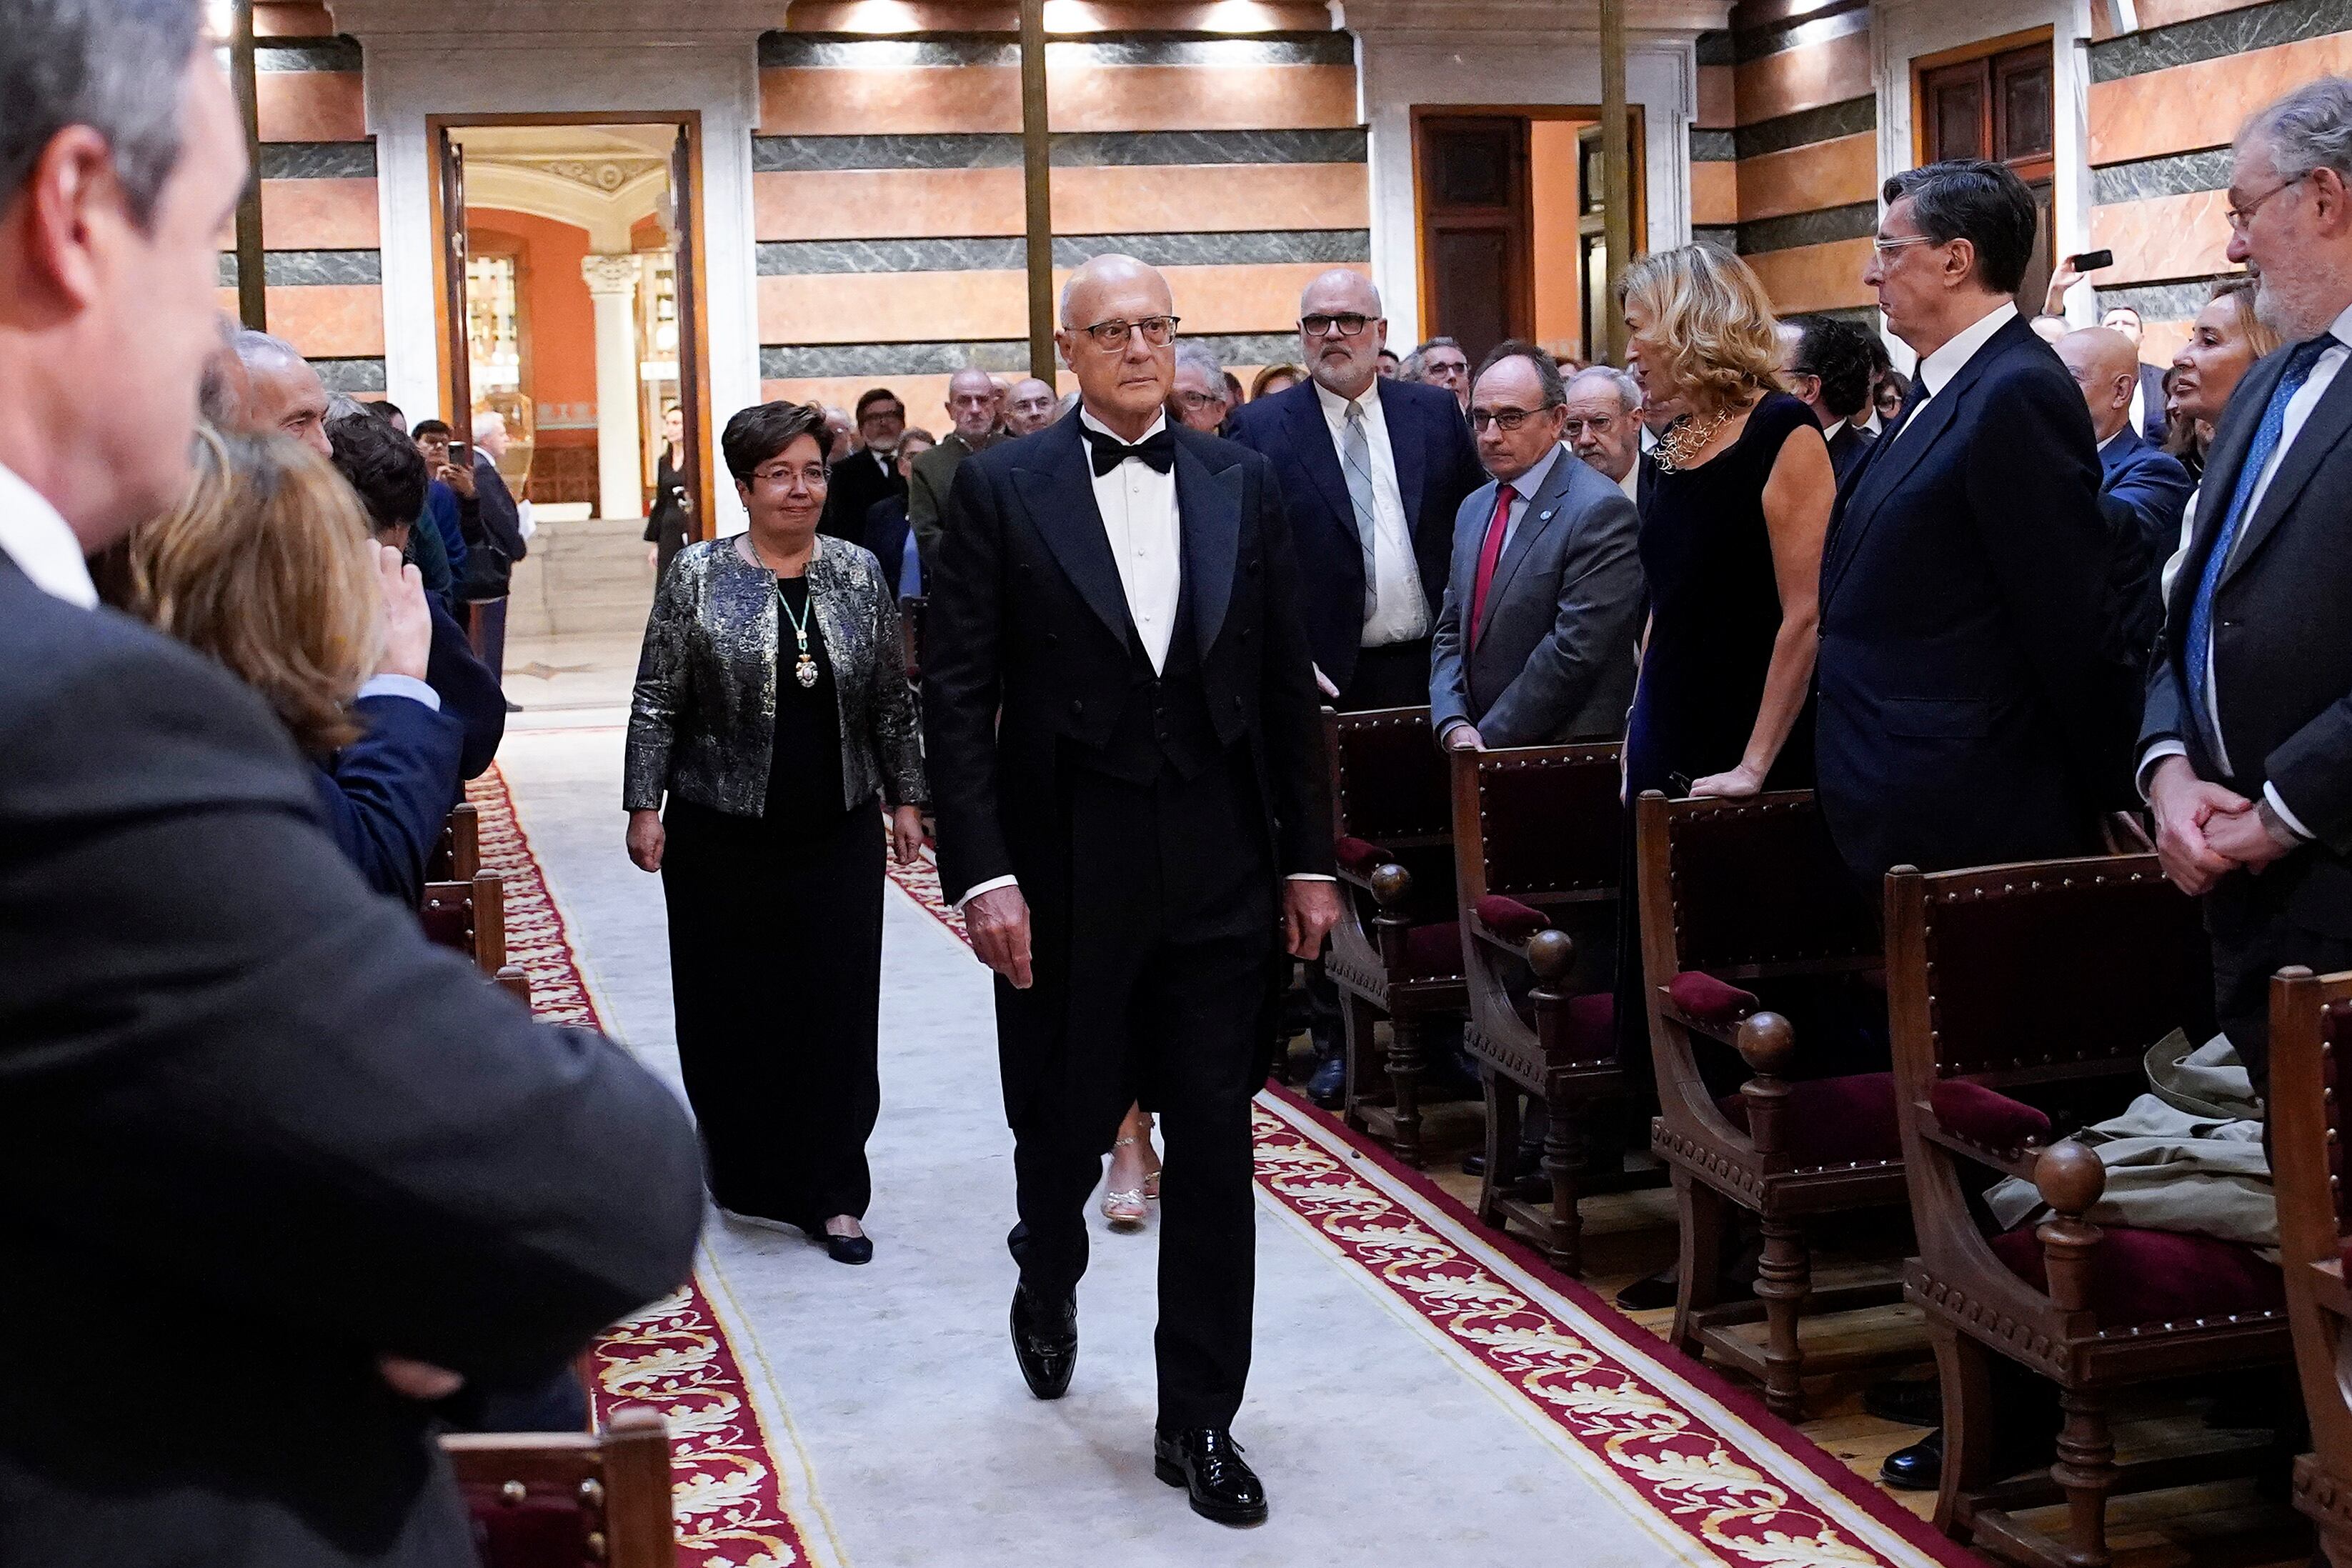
{"points": [[773, 711], [666, 525]]}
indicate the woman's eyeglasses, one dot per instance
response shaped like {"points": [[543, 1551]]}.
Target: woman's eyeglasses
{"points": [[778, 475]]}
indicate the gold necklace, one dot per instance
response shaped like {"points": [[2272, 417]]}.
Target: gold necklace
{"points": [[804, 671], [1684, 441]]}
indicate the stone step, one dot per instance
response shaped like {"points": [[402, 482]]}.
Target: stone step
{"points": [[588, 577]]}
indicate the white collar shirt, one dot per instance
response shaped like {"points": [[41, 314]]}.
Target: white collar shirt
{"points": [[1631, 483], [1401, 610], [1938, 368], [1140, 519], [43, 547]]}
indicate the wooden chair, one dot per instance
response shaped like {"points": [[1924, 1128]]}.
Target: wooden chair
{"points": [[471, 916], [2310, 1117], [456, 856], [1539, 851], [1737, 894], [1397, 950], [570, 1500], [2024, 999]]}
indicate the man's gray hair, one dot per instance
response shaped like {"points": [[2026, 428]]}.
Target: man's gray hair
{"points": [[2310, 127], [115, 66], [1453, 343], [1629, 391], [259, 350], [1196, 354], [344, 405]]}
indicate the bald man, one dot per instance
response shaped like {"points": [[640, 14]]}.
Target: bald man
{"points": [[1029, 406], [2143, 489], [1127, 757], [282, 392], [974, 406]]}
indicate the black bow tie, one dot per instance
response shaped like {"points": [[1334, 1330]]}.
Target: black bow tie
{"points": [[1156, 451]]}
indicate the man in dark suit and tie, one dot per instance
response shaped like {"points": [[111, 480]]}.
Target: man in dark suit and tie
{"points": [[1974, 705], [1829, 372], [245, 1107], [2246, 748], [1123, 731], [858, 479], [1372, 473], [1534, 639], [2142, 489]]}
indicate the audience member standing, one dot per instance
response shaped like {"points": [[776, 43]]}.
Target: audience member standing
{"points": [[283, 394], [231, 1078], [2223, 343], [871, 472], [492, 526], [1030, 406], [888, 533], [1829, 372], [1442, 363], [974, 406], [1535, 641], [432, 439], [1198, 400], [2142, 490], [771, 717], [1602, 422], [1274, 379], [1974, 705], [670, 523], [1372, 473], [2147, 391], [2245, 751]]}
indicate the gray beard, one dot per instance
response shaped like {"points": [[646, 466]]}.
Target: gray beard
{"points": [[2293, 312]]}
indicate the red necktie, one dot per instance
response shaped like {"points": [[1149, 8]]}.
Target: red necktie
{"points": [[1488, 554]]}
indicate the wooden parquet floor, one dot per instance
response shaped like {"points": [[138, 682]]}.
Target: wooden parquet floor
{"points": [[2219, 1524]]}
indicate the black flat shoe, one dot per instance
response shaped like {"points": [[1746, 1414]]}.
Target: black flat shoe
{"points": [[1912, 1401], [1207, 1463], [849, 1249], [1919, 1468], [1044, 1341]]}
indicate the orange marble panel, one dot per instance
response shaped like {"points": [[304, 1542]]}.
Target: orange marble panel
{"points": [[2159, 340], [325, 320], [320, 215], [1717, 97], [2164, 12], [2192, 105], [838, 101], [1834, 173], [2163, 237], [850, 308], [1814, 277], [1804, 77], [292, 19], [925, 203], [1714, 194], [830, 203], [309, 106], [1072, 16]]}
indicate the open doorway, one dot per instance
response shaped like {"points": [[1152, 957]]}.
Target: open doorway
{"points": [[569, 304]]}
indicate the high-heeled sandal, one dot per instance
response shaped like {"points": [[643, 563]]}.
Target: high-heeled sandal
{"points": [[1124, 1207]]}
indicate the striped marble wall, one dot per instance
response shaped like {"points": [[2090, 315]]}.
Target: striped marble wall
{"points": [[318, 212], [2164, 103], [888, 193], [1784, 151]]}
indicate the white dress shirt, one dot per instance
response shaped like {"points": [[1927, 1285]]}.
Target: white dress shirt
{"points": [[1402, 615], [1938, 368], [2298, 413], [38, 540], [1523, 490], [1146, 530], [1631, 483]]}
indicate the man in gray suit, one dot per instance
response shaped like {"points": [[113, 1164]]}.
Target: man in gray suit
{"points": [[1535, 643]]}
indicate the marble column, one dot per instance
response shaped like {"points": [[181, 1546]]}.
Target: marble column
{"points": [[613, 286]]}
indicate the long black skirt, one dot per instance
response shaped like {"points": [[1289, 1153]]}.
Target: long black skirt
{"points": [[775, 943]]}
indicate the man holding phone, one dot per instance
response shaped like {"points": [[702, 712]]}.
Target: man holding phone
{"points": [[2147, 397]]}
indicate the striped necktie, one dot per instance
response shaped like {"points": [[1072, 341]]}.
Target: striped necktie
{"points": [[1356, 457]]}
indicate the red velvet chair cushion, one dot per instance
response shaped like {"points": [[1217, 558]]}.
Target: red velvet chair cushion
{"points": [[1590, 1026], [2158, 1276], [1985, 1116], [1361, 857], [541, 1532], [1846, 1121], [1510, 919], [1432, 952], [1708, 999]]}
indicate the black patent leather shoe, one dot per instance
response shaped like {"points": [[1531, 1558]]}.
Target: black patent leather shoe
{"points": [[1207, 1463], [849, 1249], [1919, 1468], [1327, 1086], [1044, 1341]]}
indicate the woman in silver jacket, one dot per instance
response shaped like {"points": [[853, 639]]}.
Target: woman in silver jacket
{"points": [[773, 713]]}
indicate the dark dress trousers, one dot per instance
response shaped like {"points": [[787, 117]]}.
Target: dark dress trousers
{"points": [[1149, 817], [2283, 681], [255, 1132], [386, 794], [852, 487], [1552, 659], [2143, 491], [1974, 705], [1436, 467]]}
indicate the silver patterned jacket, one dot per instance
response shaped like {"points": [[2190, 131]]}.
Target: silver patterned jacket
{"points": [[702, 723]]}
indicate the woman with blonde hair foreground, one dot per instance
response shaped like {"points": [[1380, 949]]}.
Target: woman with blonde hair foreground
{"points": [[268, 564]]}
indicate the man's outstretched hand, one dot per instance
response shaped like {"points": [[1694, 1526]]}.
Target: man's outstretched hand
{"points": [[1310, 910], [998, 922]]}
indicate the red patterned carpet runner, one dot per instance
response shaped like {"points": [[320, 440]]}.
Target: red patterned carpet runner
{"points": [[727, 1482], [1713, 1476]]}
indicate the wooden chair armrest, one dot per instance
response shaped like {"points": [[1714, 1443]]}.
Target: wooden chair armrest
{"points": [[2071, 1180], [2019, 1162], [1768, 1043], [2327, 1289]]}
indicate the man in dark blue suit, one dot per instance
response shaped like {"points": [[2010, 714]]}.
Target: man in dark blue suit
{"points": [[2143, 489], [1372, 473], [1975, 706], [2246, 748], [1829, 372]]}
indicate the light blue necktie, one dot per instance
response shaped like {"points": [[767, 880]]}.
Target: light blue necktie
{"points": [[2249, 473], [1356, 457]]}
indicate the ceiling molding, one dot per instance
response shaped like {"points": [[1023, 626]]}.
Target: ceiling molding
{"points": [[607, 216], [1645, 21], [518, 24]]}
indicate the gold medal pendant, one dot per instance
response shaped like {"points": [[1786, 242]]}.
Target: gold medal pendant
{"points": [[805, 671]]}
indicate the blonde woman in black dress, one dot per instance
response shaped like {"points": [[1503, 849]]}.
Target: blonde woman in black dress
{"points": [[772, 714]]}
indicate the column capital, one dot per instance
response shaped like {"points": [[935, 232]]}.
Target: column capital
{"points": [[610, 273]]}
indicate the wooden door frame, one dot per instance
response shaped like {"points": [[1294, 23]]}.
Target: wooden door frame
{"points": [[2025, 39], [695, 399], [1425, 289]]}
